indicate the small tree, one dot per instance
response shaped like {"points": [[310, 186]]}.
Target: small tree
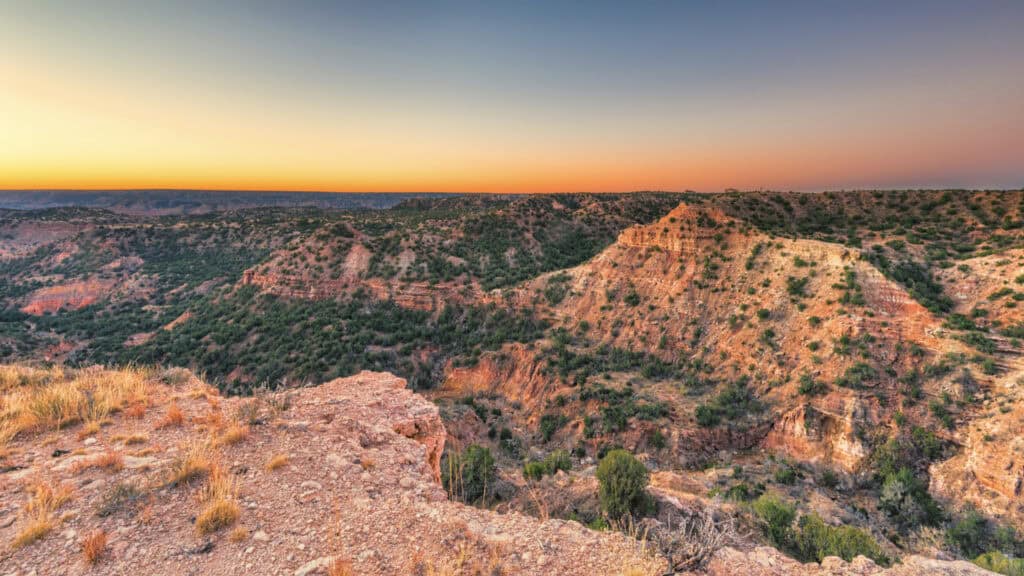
{"points": [[469, 475], [906, 499], [971, 534], [623, 488], [778, 519]]}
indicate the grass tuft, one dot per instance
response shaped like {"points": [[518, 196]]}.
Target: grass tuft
{"points": [[94, 546], [37, 514], [173, 419], [233, 435], [110, 460], [277, 461], [220, 506], [194, 463]]}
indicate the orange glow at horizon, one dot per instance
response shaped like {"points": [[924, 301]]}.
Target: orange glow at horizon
{"points": [[71, 118]]}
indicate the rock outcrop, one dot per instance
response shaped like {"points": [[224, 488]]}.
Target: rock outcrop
{"points": [[765, 561], [812, 431], [357, 482], [988, 471], [69, 296]]}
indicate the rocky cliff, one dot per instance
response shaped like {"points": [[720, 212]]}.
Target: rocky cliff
{"points": [[343, 474]]}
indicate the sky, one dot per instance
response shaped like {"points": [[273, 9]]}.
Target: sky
{"points": [[511, 96]]}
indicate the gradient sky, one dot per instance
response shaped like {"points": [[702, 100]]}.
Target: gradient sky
{"points": [[511, 96]]}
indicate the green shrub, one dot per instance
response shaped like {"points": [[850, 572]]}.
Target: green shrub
{"points": [[1000, 563], [623, 485], [777, 518], [970, 534], [815, 540], [735, 401], [856, 375], [552, 463], [743, 492], [786, 475], [809, 386], [550, 423], [468, 475], [811, 539], [796, 286], [906, 500]]}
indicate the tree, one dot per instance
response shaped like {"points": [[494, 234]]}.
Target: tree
{"points": [[623, 487], [778, 519], [906, 499], [469, 475]]}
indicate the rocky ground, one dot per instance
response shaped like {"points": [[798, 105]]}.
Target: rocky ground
{"points": [[357, 481], [337, 479]]}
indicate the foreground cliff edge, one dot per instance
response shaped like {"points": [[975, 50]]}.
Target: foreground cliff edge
{"points": [[106, 470]]}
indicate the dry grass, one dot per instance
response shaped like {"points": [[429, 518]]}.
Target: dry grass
{"points": [[35, 528], [148, 451], [367, 463], [37, 514], [130, 439], [94, 546], [37, 400], [175, 376], [195, 462], [634, 571], [16, 376], [173, 418], [89, 429], [277, 461], [472, 557], [220, 503], [689, 541], [110, 460], [340, 567], [233, 435], [239, 534], [250, 412], [136, 411], [213, 421]]}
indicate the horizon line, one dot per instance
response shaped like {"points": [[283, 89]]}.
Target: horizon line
{"points": [[518, 193]]}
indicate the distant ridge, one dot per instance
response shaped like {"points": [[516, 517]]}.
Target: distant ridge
{"points": [[162, 202]]}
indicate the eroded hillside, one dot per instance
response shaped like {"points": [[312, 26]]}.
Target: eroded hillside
{"points": [[130, 468], [850, 361]]}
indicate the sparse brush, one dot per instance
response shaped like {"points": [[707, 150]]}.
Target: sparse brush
{"points": [[250, 412], [233, 435], [220, 506], [50, 400], [112, 461], [277, 461], [120, 497], [94, 546], [53, 406], [173, 418], [37, 514], [131, 439], [89, 429], [175, 376], [35, 527], [16, 376], [471, 558], [690, 541], [213, 420], [195, 462], [136, 411], [239, 534]]}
